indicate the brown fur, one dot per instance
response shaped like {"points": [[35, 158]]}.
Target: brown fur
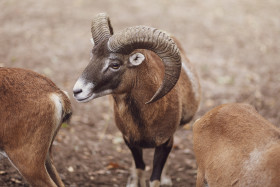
{"points": [[28, 124], [153, 124], [235, 146]]}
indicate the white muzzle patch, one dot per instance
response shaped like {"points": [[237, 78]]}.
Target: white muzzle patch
{"points": [[83, 90]]}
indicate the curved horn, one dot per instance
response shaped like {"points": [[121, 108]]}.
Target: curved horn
{"points": [[143, 37], [101, 28]]}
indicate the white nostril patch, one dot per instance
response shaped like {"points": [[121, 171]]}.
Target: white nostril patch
{"points": [[79, 84], [77, 91], [82, 89]]}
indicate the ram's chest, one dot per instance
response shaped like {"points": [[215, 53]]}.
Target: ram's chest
{"points": [[129, 121], [144, 129], [135, 132]]}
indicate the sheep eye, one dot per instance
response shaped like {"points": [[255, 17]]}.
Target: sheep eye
{"points": [[115, 66]]}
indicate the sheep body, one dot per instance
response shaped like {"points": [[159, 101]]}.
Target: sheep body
{"points": [[235, 146], [32, 110]]}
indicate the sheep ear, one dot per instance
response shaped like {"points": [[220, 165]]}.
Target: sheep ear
{"points": [[136, 59], [92, 41]]}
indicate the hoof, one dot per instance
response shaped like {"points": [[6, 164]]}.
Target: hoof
{"points": [[166, 181], [155, 183], [136, 179]]}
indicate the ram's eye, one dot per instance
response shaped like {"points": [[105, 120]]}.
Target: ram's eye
{"points": [[115, 66]]}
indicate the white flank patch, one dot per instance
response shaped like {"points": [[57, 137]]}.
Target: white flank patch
{"points": [[66, 93], [255, 157], [58, 108], [194, 82], [251, 173]]}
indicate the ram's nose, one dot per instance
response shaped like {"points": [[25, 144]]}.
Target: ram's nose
{"points": [[77, 91], [83, 90], [78, 88]]}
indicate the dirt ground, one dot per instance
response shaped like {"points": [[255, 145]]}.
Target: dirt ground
{"points": [[234, 45]]}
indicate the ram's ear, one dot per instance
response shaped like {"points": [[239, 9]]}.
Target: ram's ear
{"points": [[92, 41], [136, 59]]}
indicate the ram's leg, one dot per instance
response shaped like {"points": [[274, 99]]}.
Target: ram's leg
{"points": [[31, 164], [200, 178], [50, 166], [52, 171], [165, 179], [160, 157], [137, 177]]}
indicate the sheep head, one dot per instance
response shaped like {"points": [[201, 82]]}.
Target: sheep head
{"points": [[112, 55]]}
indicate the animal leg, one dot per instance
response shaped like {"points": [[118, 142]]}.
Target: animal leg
{"points": [[165, 179], [137, 177], [200, 178], [52, 171], [32, 167], [160, 157]]}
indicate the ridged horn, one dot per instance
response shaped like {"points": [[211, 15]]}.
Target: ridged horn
{"points": [[101, 28], [143, 37]]}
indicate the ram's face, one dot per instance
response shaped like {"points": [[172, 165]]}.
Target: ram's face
{"points": [[106, 73], [101, 76]]}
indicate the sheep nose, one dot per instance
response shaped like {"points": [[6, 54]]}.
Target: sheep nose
{"points": [[77, 91]]}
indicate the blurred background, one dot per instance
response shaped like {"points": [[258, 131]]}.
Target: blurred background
{"points": [[234, 46]]}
